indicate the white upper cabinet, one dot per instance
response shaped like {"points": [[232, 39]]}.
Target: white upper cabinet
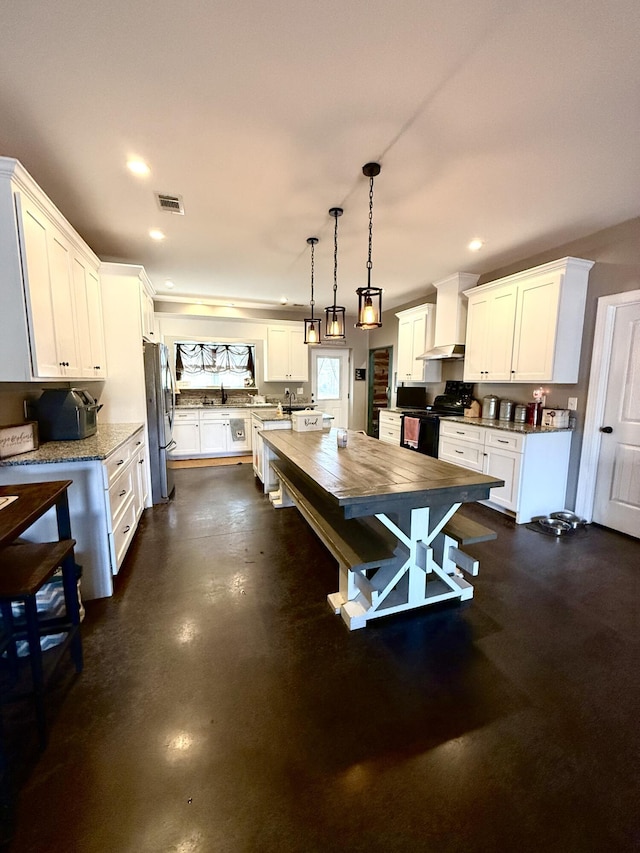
{"points": [[287, 356], [527, 327], [416, 328], [90, 325], [46, 319], [148, 314]]}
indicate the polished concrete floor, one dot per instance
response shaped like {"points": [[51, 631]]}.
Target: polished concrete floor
{"points": [[224, 709]]}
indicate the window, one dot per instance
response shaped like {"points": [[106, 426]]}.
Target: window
{"points": [[328, 378], [211, 365]]}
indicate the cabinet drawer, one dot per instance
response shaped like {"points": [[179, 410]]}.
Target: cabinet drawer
{"points": [[115, 463], [185, 417], [461, 453], [505, 440], [390, 434], [122, 489], [123, 533], [461, 432]]}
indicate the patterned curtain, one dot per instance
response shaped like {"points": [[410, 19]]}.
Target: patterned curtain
{"points": [[213, 358]]}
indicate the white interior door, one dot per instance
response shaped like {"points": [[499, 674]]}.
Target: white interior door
{"points": [[617, 493], [330, 383]]}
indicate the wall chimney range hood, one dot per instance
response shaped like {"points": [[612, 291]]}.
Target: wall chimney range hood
{"points": [[451, 316]]}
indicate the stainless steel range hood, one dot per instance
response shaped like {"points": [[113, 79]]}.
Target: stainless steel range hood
{"points": [[451, 317]]}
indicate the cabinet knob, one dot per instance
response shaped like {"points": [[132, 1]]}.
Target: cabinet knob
{"points": [[606, 429]]}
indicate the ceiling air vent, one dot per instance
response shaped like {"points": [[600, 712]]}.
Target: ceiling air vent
{"points": [[170, 203]]}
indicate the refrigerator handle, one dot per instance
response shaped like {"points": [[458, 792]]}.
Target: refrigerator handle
{"points": [[173, 397], [169, 446]]}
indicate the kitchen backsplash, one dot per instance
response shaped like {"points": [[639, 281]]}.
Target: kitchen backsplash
{"points": [[234, 397]]}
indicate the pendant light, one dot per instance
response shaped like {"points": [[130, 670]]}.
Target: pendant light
{"points": [[370, 298], [311, 325], [334, 323]]}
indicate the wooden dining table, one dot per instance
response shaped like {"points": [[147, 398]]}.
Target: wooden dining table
{"points": [[414, 496]]}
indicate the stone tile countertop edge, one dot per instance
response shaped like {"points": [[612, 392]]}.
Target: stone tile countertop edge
{"points": [[97, 447], [506, 426]]}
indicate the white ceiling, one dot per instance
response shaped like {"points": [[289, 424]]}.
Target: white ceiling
{"points": [[515, 122]]}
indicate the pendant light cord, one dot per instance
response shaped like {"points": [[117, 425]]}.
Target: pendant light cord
{"points": [[369, 263], [335, 262]]}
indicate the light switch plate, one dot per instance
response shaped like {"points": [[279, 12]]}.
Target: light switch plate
{"points": [[572, 404]]}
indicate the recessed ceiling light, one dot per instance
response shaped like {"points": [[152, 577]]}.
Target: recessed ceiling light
{"points": [[476, 244], [283, 300], [156, 235], [168, 283], [138, 167], [231, 304]]}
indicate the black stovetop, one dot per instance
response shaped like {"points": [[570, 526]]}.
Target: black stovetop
{"points": [[456, 398]]}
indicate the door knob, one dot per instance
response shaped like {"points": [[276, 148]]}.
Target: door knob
{"points": [[608, 430]]}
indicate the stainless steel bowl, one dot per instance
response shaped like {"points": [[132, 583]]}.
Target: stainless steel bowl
{"points": [[555, 526], [570, 517]]}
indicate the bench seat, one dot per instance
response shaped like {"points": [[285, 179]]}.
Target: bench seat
{"points": [[357, 544]]}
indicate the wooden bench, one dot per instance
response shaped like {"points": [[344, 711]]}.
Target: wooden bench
{"points": [[461, 530], [355, 543]]}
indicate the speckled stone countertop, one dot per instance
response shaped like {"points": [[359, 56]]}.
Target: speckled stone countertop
{"points": [[270, 415], [192, 405], [505, 426], [107, 439]]}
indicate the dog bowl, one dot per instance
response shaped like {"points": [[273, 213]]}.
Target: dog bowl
{"points": [[555, 526], [570, 517]]}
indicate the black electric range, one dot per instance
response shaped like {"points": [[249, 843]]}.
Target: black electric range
{"points": [[421, 432]]}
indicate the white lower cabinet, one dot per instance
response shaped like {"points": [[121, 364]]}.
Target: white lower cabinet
{"points": [[106, 499], [126, 489], [199, 432], [534, 466], [260, 451], [390, 427]]}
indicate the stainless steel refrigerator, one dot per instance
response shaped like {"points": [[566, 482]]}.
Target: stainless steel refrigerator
{"points": [[161, 405]]}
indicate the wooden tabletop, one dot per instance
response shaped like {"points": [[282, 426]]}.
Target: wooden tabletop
{"points": [[34, 499], [370, 476]]}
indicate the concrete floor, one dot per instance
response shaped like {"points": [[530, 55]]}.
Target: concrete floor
{"points": [[224, 709]]}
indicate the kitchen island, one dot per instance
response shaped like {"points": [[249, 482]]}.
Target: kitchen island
{"points": [[393, 491], [109, 490]]}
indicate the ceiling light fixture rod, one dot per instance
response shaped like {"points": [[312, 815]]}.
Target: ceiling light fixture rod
{"points": [[334, 322], [312, 327], [370, 314]]}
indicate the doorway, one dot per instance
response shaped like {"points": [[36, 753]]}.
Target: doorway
{"points": [[380, 361], [608, 485], [330, 383]]}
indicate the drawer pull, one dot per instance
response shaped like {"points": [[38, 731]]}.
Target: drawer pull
{"points": [[461, 452], [127, 528], [121, 462], [460, 432], [140, 461], [123, 492], [502, 441]]}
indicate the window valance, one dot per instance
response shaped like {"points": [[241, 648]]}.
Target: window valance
{"points": [[214, 359]]}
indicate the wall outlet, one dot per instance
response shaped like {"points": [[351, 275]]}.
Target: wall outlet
{"points": [[572, 404], [286, 392], [300, 390]]}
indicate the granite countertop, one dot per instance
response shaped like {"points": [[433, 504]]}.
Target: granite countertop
{"points": [[270, 415], [107, 439], [192, 405], [505, 426]]}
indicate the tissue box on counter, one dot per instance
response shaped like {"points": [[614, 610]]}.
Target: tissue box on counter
{"points": [[558, 418], [306, 420]]}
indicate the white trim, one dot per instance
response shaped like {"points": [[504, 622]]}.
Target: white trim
{"points": [[600, 361]]}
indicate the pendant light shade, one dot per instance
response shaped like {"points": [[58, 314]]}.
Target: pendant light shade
{"points": [[312, 326], [370, 298], [334, 322]]}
